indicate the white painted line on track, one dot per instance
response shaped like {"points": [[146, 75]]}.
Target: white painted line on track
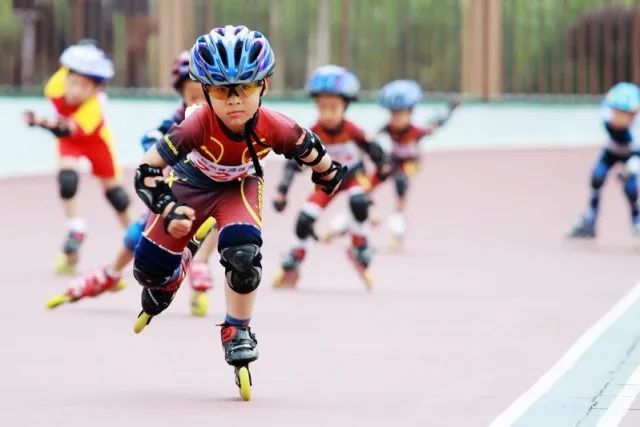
{"points": [[544, 384]]}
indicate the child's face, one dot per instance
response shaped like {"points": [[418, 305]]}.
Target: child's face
{"points": [[621, 119], [79, 88], [192, 93], [330, 110], [400, 119], [236, 110]]}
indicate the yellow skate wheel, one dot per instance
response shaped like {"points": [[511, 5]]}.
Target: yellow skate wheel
{"points": [[119, 286], [395, 244], [199, 304], [368, 279], [64, 266], [244, 383], [277, 280], [141, 322], [326, 237], [204, 229], [57, 300]]}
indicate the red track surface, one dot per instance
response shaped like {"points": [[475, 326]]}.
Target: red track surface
{"points": [[487, 296]]}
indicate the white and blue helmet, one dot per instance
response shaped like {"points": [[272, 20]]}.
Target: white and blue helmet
{"points": [[400, 95], [333, 80], [623, 96], [231, 55], [88, 60]]}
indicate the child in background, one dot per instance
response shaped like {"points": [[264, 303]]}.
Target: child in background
{"points": [[109, 278], [619, 110], [333, 88], [81, 131]]}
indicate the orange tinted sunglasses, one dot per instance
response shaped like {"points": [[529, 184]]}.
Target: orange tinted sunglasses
{"points": [[243, 90]]}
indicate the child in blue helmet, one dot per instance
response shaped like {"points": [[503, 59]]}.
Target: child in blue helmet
{"points": [[619, 110], [333, 88], [215, 156], [109, 278], [402, 140]]}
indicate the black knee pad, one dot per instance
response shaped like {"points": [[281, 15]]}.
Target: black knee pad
{"points": [[359, 204], [242, 266], [68, 182], [402, 184], [118, 198], [304, 226], [147, 279]]}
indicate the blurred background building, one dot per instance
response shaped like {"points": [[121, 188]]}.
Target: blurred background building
{"points": [[485, 49]]}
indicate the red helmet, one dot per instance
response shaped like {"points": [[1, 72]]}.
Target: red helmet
{"points": [[180, 70]]}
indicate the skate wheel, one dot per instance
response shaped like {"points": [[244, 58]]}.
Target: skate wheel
{"points": [[368, 279], [204, 229], [243, 381], [57, 300], [285, 279], [199, 304], [326, 237], [141, 322], [119, 286], [64, 266]]}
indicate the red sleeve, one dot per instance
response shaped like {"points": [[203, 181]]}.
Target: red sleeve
{"points": [[283, 134], [184, 137]]}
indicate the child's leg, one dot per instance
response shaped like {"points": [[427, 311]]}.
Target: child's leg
{"points": [[104, 166], [68, 180], [598, 177], [117, 198], [200, 276], [239, 217], [359, 204], [630, 179], [161, 260]]}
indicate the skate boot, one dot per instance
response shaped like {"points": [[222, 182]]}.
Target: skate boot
{"points": [[360, 255], [239, 345], [289, 273], [397, 227], [584, 229], [90, 285], [68, 259]]}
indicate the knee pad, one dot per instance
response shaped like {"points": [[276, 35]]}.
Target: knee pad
{"points": [[239, 246], [402, 184], [631, 188], [154, 267], [359, 204], [118, 198], [599, 175], [133, 234], [68, 182], [304, 226]]}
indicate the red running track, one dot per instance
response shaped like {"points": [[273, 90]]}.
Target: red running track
{"points": [[487, 296]]}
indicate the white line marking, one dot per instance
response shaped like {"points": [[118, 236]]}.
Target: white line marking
{"points": [[544, 384], [623, 401]]}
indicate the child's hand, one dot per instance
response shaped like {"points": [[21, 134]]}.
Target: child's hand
{"points": [[180, 220], [30, 118], [280, 202]]}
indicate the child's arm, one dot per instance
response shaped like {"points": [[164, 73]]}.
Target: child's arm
{"points": [[291, 167], [59, 127], [150, 184], [327, 174], [442, 120]]}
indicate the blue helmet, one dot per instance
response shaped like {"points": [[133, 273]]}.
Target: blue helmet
{"points": [[400, 95], [623, 96], [231, 55], [333, 80]]}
